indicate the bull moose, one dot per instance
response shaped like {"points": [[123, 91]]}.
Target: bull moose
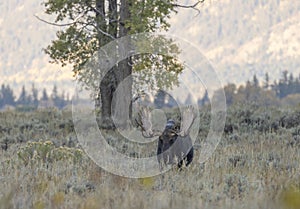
{"points": [[174, 143]]}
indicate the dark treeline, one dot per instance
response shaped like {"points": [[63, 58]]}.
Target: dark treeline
{"points": [[287, 85], [31, 99], [286, 90]]}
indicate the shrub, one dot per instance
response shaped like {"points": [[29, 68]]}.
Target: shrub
{"points": [[46, 152]]}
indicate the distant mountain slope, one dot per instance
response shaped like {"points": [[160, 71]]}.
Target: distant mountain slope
{"points": [[22, 35], [240, 38], [22, 38], [243, 38]]}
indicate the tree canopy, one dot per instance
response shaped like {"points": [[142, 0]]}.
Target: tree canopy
{"points": [[88, 25], [93, 23]]}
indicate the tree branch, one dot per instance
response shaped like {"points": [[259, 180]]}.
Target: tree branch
{"points": [[55, 24], [192, 6], [75, 20], [72, 23], [97, 11], [100, 30]]}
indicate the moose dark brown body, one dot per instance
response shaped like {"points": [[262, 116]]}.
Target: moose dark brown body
{"points": [[173, 148], [174, 144]]}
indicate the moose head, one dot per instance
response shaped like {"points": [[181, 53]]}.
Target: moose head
{"points": [[174, 143]]}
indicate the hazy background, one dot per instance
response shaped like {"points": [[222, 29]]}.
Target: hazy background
{"points": [[240, 38]]}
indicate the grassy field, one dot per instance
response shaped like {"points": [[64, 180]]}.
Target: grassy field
{"points": [[256, 165]]}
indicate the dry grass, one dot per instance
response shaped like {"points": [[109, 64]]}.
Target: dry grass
{"points": [[256, 171]]}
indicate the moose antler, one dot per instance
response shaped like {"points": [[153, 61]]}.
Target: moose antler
{"points": [[187, 119], [145, 123]]}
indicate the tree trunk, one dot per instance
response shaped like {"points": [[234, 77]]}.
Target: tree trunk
{"points": [[123, 95], [107, 89], [116, 85], [107, 83]]}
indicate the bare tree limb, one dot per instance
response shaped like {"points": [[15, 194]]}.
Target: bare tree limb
{"points": [[74, 22], [80, 15], [55, 24], [192, 6], [101, 31]]}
